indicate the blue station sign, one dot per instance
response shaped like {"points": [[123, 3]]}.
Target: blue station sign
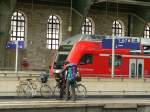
{"points": [[12, 44], [122, 43]]}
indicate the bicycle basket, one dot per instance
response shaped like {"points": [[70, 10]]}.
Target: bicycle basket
{"points": [[44, 78]]}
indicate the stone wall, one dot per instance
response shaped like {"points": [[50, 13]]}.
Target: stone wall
{"points": [[103, 22]]}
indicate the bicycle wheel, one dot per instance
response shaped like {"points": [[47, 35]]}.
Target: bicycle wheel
{"points": [[56, 91], [45, 91], [20, 91], [80, 91], [28, 92]]}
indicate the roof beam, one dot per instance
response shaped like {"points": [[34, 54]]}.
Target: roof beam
{"points": [[131, 2], [80, 10]]}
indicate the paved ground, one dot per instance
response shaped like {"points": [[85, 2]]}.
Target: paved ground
{"points": [[106, 102]]}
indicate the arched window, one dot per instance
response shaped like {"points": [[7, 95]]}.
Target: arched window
{"points": [[117, 29], [17, 26], [88, 27], [53, 32], [147, 32]]}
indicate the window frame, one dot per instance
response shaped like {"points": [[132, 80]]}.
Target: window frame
{"points": [[88, 26], [85, 57], [117, 28], [53, 32], [118, 58], [146, 31], [18, 26]]}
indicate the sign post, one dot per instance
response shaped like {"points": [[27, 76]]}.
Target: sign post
{"points": [[113, 57], [16, 64]]}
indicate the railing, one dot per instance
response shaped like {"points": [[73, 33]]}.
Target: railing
{"points": [[98, 77], [97, 91], [108, 76], [12, 74]]}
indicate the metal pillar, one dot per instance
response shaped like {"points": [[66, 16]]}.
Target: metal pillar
{"points": [[16, 64], [113, 57]]}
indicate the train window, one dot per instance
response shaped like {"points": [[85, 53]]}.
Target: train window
{"points": [[146, 47], [140, 70], [117, 60], [132, 70], [147, 52], [61, 58], [86, 59]]}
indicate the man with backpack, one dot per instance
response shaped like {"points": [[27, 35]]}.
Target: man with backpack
{"points": [[70, 75]]}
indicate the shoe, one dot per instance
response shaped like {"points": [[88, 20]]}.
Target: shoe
{"points": [[59, 98], [66, 99]]}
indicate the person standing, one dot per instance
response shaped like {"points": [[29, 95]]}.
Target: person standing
{"points": [[71, 72], [62, 84]]}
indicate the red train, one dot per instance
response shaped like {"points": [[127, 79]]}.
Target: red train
{"points": [[95, 61]]}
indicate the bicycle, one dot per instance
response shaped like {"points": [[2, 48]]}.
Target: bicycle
{"points": [[45, 90], [29, 89], [80, 90], [20, 88], [26, 88]]}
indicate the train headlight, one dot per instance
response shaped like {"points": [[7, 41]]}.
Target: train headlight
{"points": [[57, 71]]}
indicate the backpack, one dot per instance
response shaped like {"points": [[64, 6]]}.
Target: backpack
{"points": [[71, 72]]}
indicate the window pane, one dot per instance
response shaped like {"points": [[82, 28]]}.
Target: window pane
{"points": [[22, 29], [19, 23], [56, 41], [53, 42], [14, 34], [19, 29], [49, 47], [14, 23], [22, 34], [18, 34], [14, 28], [56, 36], [53, 46], [56, 47], [21, 39]]}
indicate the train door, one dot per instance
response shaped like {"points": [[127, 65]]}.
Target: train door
{"points": [[136, 68], [132, 68]]}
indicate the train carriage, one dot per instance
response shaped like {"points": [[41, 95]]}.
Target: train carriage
{"points": [[95, 61]]}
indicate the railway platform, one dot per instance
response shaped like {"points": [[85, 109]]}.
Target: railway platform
{"points": [[103, 95], [81, 105]]}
